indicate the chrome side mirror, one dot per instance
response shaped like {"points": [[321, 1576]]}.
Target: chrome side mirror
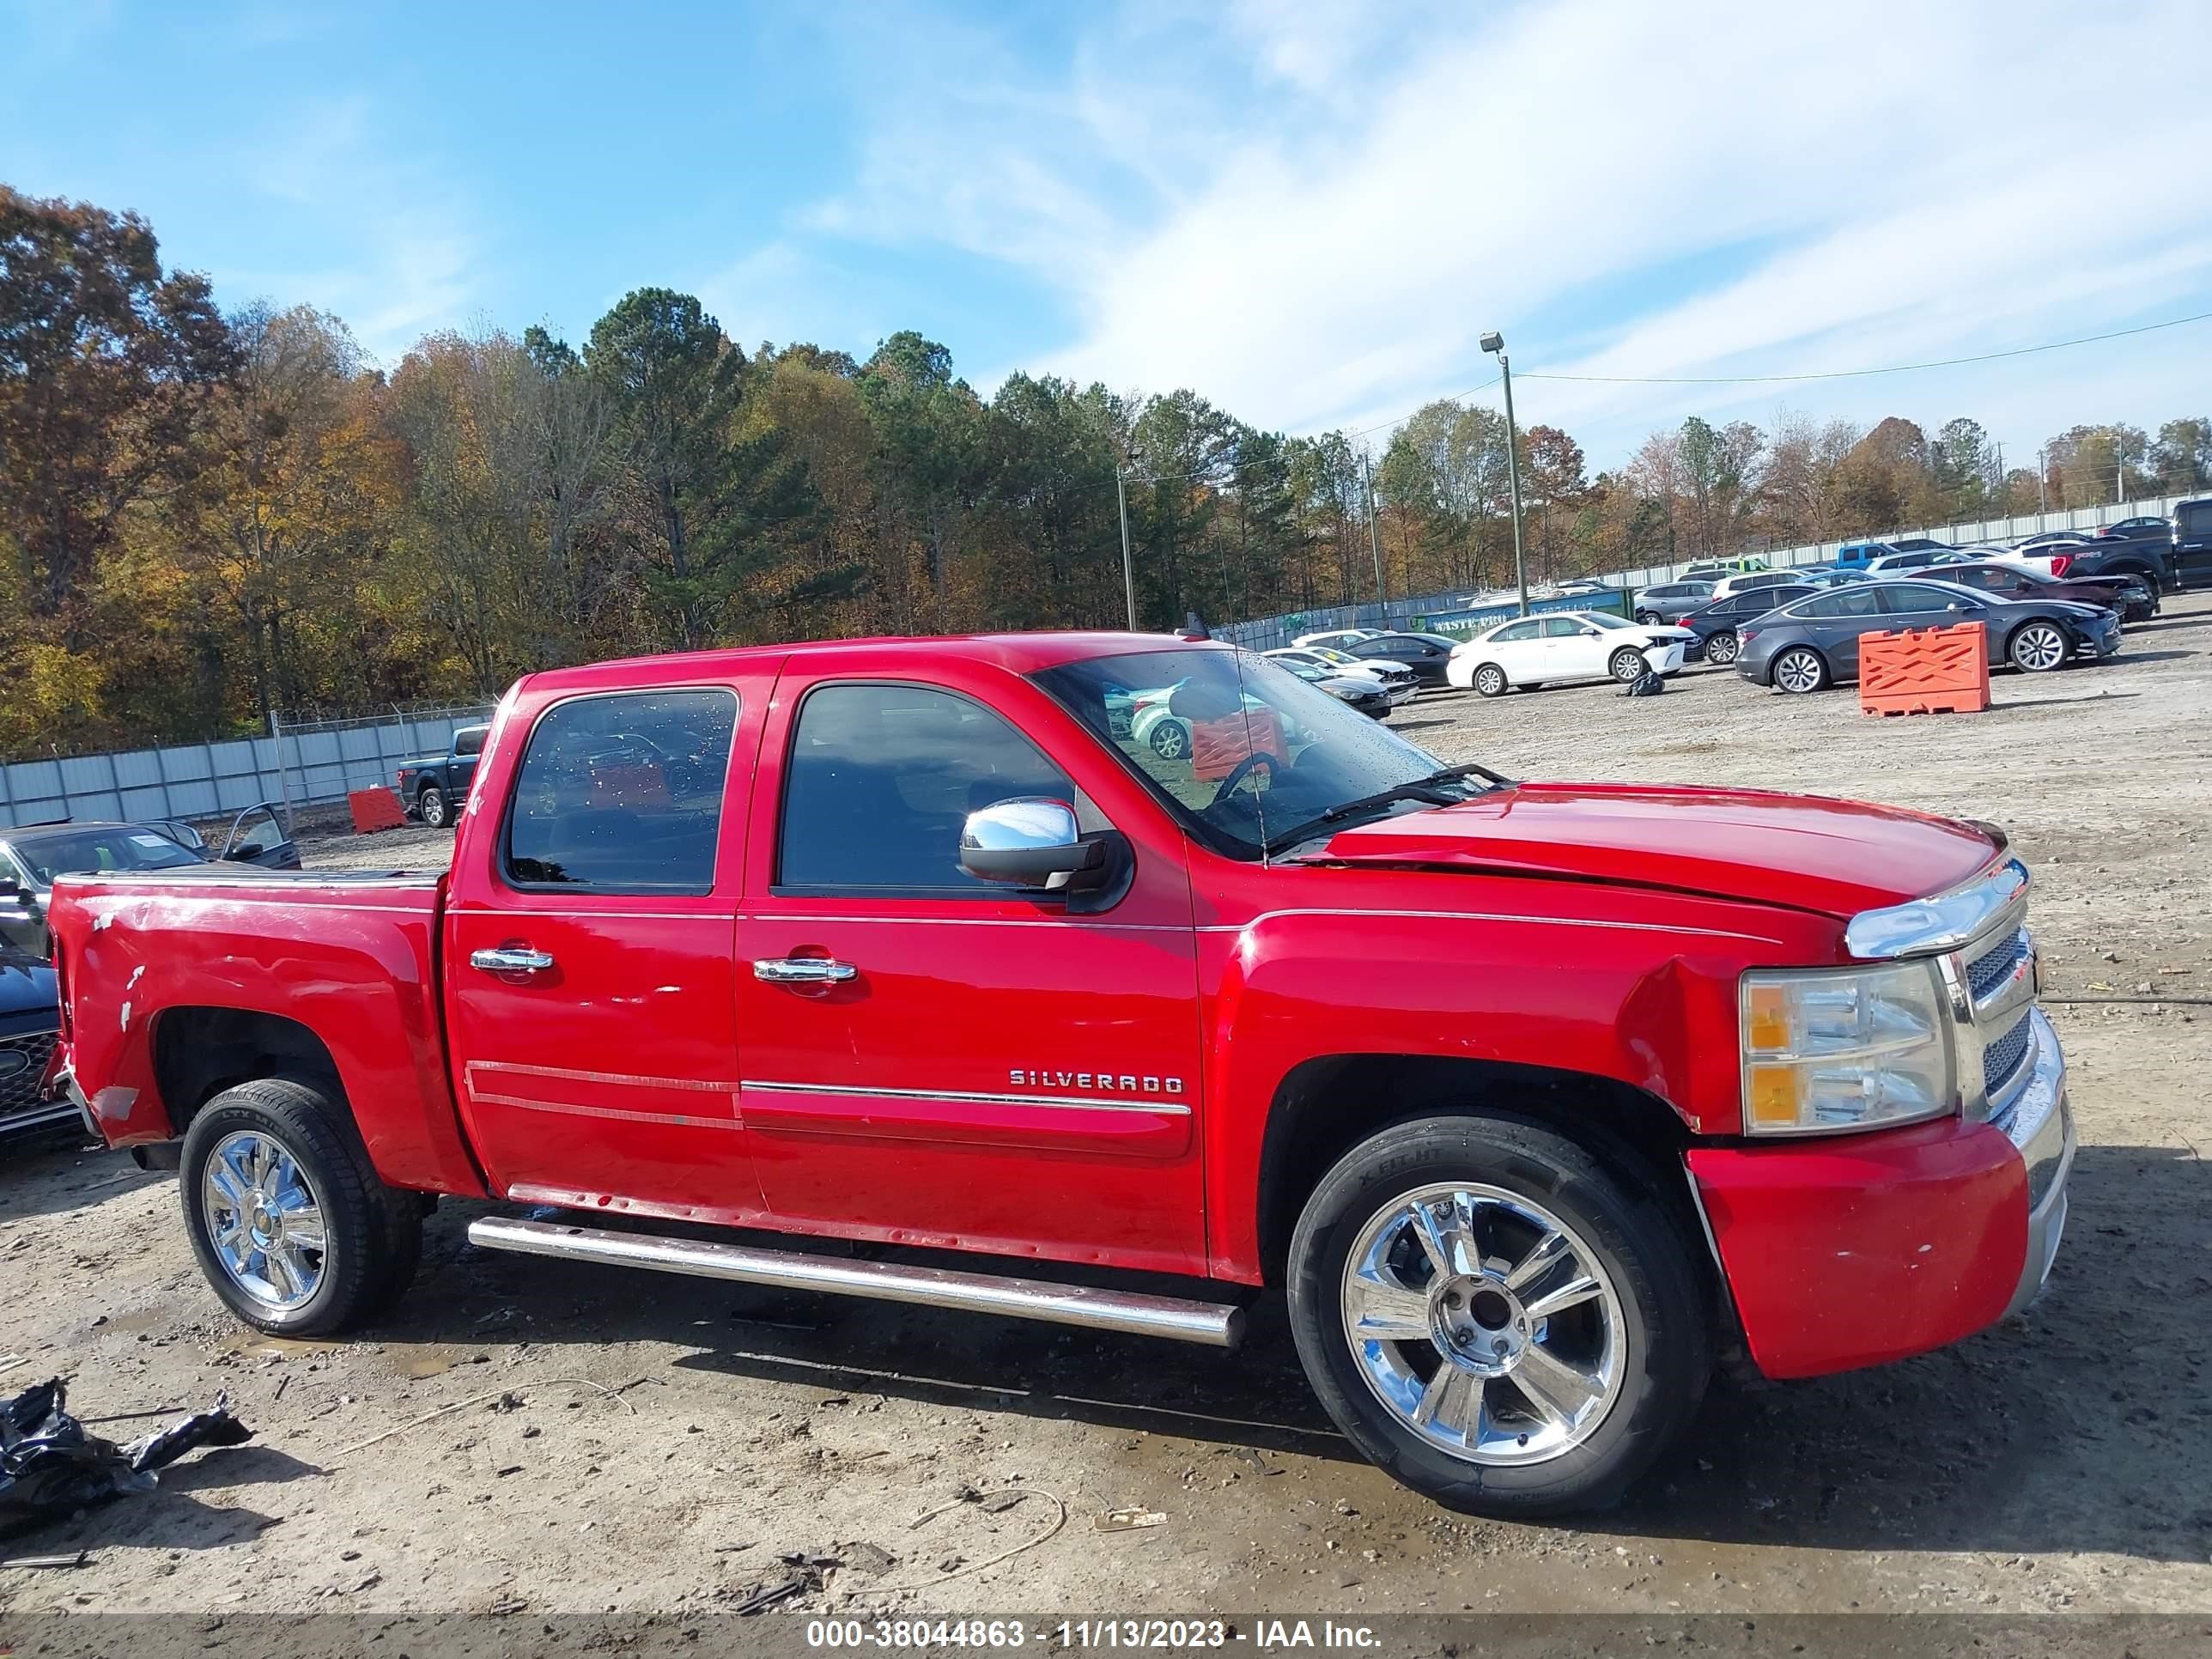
{"points": [[1027, 842], [1035, 842]]}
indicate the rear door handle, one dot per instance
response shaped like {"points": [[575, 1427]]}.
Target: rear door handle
{"points": [[804, 970], [510, 959]]}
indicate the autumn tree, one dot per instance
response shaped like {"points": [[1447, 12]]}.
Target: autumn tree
{"points": [[107, 366]]}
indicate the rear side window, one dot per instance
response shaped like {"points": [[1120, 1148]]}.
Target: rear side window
{"points": [[880, 781], [623, 794], [1861, 601]]}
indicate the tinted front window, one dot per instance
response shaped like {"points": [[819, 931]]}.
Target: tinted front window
{"points": [[1561, 627], [881, 778], [470, 740], [2195, 519], [623, 794]]}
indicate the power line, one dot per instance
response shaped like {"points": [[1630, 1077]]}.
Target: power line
{"points": [[1854, 374]]}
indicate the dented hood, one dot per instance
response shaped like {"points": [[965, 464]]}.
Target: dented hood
{"points": [[1838, 857]]}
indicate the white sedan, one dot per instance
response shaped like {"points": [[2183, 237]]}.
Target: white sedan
{"points": [[1566, 645], [1337, 638]]}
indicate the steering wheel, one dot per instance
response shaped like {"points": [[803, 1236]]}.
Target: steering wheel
{"points": [[1242, 770]]}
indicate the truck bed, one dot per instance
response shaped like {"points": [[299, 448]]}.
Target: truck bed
{"points": [[351, 955]]}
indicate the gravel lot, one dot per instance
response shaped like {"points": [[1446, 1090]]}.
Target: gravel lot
{"points": [[636, 1442]]}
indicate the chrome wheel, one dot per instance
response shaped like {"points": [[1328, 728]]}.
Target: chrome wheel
{"points": [[1484, 1323], [263, 1218], [1798, 670], [2038, 648], [1719, 650]]}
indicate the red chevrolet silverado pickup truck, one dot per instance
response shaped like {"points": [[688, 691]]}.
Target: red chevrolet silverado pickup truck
{"points": [[1535, 1100]]}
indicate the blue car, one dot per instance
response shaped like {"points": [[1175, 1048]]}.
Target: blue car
{"points": [[30, 1023]]}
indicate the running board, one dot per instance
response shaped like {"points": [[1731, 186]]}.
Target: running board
{"points": [[1215, 1325]]}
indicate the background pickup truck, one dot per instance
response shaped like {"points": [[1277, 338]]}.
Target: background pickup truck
{"points": [[919, 944], [433, 789]]}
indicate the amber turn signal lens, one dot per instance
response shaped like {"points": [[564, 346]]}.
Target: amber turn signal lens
{"points": [[1773, 1094], [1766, 1023]]}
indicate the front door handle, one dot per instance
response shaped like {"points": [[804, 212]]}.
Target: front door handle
{"points": [[510, 959], [804, 970]]}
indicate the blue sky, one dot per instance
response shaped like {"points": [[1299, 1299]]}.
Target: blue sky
{"points": [[1308, 212]]}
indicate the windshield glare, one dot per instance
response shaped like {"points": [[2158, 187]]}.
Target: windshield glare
{"points": [[1188, 721]]}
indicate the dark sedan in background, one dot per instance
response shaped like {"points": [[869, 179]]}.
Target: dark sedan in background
{"points": [[1715, 624], [31, 857], [2131, 596], [1815, 641], [1424, 654]]}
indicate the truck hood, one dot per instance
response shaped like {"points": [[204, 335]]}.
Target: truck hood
{"points": [[1807, 852]]}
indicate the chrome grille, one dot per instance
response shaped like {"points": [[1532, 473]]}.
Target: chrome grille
{"points": [[1989, 971], [20, 1077], [2003, 1055]]}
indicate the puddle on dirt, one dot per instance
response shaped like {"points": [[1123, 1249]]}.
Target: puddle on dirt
{"points": [[415, 1361], [282, 1347]]}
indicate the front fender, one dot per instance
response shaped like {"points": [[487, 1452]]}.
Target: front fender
{"points": [[1636, 987]]}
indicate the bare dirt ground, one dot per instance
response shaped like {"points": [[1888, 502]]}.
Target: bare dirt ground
{"points": [[638, 1443]]}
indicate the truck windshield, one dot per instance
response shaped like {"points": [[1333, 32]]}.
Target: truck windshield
{"points": [[1249, 757]]}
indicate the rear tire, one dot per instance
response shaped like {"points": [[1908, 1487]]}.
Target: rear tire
{"points": [[431, 803], [1529, 1411], [1800, 670], [1719, 650], [1649, 618], [292, 1227]]}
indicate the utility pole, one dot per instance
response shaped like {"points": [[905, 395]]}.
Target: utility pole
{"points": [[1374, 528], [1494, 342], [2042, 485], [1128, 571]]}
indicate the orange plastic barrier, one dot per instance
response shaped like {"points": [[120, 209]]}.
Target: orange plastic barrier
{"points": [[1218, 746], [375, 808], [1933, 671]]}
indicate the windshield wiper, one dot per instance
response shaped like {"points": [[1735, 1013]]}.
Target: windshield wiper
{"points": [[1430, 789]]}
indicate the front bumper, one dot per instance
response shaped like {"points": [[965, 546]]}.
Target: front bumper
{"points": [[1853, 1250], [1666, 659]]}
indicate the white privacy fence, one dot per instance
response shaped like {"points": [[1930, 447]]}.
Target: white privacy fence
{"points": [[296, 766]]}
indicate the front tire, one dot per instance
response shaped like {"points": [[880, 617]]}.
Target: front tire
{"points": [[1170, 740], [433, 805], [292, 1227], [1721, 649], [1491, 1317], [2038, 648], [1801, 671], [1628, 665], [1490, 680]]}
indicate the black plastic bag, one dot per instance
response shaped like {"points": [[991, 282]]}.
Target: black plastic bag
{"points": [[51, 1467], [1646, 684]]}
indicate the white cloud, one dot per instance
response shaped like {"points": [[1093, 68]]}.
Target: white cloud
{"points": [[1310, 213], [402, 256]]}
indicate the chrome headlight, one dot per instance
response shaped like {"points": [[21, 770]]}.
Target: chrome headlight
{"points": [[1832, 1049]]}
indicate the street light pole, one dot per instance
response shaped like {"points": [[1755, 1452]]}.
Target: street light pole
{"points": [[1373, 532], [1494, 342], [1128, 571]]}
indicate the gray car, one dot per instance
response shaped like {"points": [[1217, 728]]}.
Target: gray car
{"points": [[1669, 602], [1814, 642], [31, 857]]}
